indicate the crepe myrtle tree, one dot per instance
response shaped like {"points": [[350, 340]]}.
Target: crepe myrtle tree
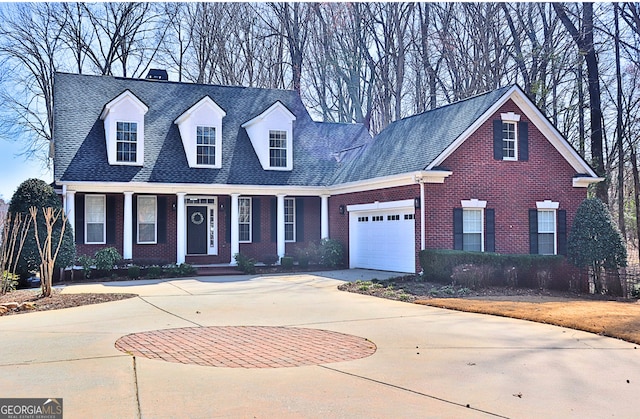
{"points": [[35, 193], [595, 243]]}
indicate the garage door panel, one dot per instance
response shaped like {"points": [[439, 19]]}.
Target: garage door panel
{"points": [[383, 240]]}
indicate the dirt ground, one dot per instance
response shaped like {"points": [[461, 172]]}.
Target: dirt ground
{"points": [[596, 314], [56, 301]]}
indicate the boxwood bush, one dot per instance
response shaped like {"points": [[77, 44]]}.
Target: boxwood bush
{"points": [[478, 269]]}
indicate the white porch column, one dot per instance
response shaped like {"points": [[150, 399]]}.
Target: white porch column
{"points": [[324, 216], [423, 228], [127, 233], [235, 228], [70, 210], [280, 226], [181, 224]]}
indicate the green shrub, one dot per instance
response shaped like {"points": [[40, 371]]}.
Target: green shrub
{"points": [[106, 259], [86, 262], [37, 193], [331, 253], [286, 262], [245, 263], [181, 270], [308, 254], [476, 269], [133, 272], [154, 272]]}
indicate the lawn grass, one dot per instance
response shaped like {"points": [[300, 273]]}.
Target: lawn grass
{"points": [[608, 318]]}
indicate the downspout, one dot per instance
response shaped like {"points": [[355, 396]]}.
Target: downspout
{"points": [[422, 216]]}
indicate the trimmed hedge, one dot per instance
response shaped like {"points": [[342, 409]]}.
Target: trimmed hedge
{"points": [[478, 269]]}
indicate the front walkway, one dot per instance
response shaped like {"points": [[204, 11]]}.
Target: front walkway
{"points": [[422, 361]]}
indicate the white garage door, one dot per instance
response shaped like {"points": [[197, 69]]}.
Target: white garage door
{"points": [[382, 236]]}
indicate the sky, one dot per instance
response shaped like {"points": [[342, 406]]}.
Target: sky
{"points": [[15, 169]]}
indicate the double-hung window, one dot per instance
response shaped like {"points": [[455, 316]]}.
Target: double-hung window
{"points": [[95, 219], [547, 232], [206, 145], [472, 230], [509, 141], [244, 219], [126, 141], [277, 148], [289, 219], [147, 219]]}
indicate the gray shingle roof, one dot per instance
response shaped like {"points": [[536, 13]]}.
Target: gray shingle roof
{"points": [[412, 143], [80, 148], [324, 153]]}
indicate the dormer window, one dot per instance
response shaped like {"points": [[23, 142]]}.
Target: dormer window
{"points": [[126, 141], [201, 132], [510, 138], [278, 148], [124, 129], [271, 134], [206, 146]]}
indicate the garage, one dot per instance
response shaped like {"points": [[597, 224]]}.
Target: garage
{"points": [[382, 236]]}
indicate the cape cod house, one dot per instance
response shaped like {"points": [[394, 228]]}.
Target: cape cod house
{"points": [[197, 173]]}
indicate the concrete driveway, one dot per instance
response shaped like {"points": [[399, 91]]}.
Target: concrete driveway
{"points": [[427, 362]]}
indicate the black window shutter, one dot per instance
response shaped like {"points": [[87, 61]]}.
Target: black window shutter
{"points": [[255, 220], [562, 232], [497, 139], [299, 220], [490, 230], [111, 219], [79, 219], [162, 219], [274, 220], [134, 218], [457, 229], [227, 220], [523, 141], [533, 231]]}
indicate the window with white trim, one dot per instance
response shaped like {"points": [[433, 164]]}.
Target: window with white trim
{"points": [[95, 215], [472, 230], [510, 135], [289, 220], [547, 232], [277, 148], [126, 141], [147, 217], [244, 220], [206, 145]]}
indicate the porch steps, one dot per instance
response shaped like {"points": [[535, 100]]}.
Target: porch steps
{"points": [[216, 270]]}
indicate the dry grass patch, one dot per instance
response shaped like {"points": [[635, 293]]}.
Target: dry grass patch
{"points": [[608, 318]]}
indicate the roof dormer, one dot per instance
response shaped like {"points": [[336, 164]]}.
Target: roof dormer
{"points": [[124, 129], [201, 132], [271, 135]]}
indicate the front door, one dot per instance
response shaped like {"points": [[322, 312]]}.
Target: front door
{"points": [[197, 230]]}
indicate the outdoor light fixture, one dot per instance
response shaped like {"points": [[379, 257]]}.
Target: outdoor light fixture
{"points": [[174, 206], [416, 203], [341, 209], [221, 207]]}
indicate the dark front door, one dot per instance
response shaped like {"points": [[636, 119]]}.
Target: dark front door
{"points": [[197, 230]]}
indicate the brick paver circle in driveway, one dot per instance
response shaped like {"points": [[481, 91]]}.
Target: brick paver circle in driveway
{"points": [[247, 346]]}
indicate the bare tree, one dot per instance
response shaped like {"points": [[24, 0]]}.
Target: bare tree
{"points": [[12, 237], [583, 37], [47, 249]]}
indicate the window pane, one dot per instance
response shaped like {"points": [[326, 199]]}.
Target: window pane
{"points": [[244, 232], [472, 221], [146, 233], [508, 140], [288, 232], [278, 148], [546, 244], [126, 137], [146, 219], [94, 209], [244, 219], [95, 233], [546, 221], [472, 242]]}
